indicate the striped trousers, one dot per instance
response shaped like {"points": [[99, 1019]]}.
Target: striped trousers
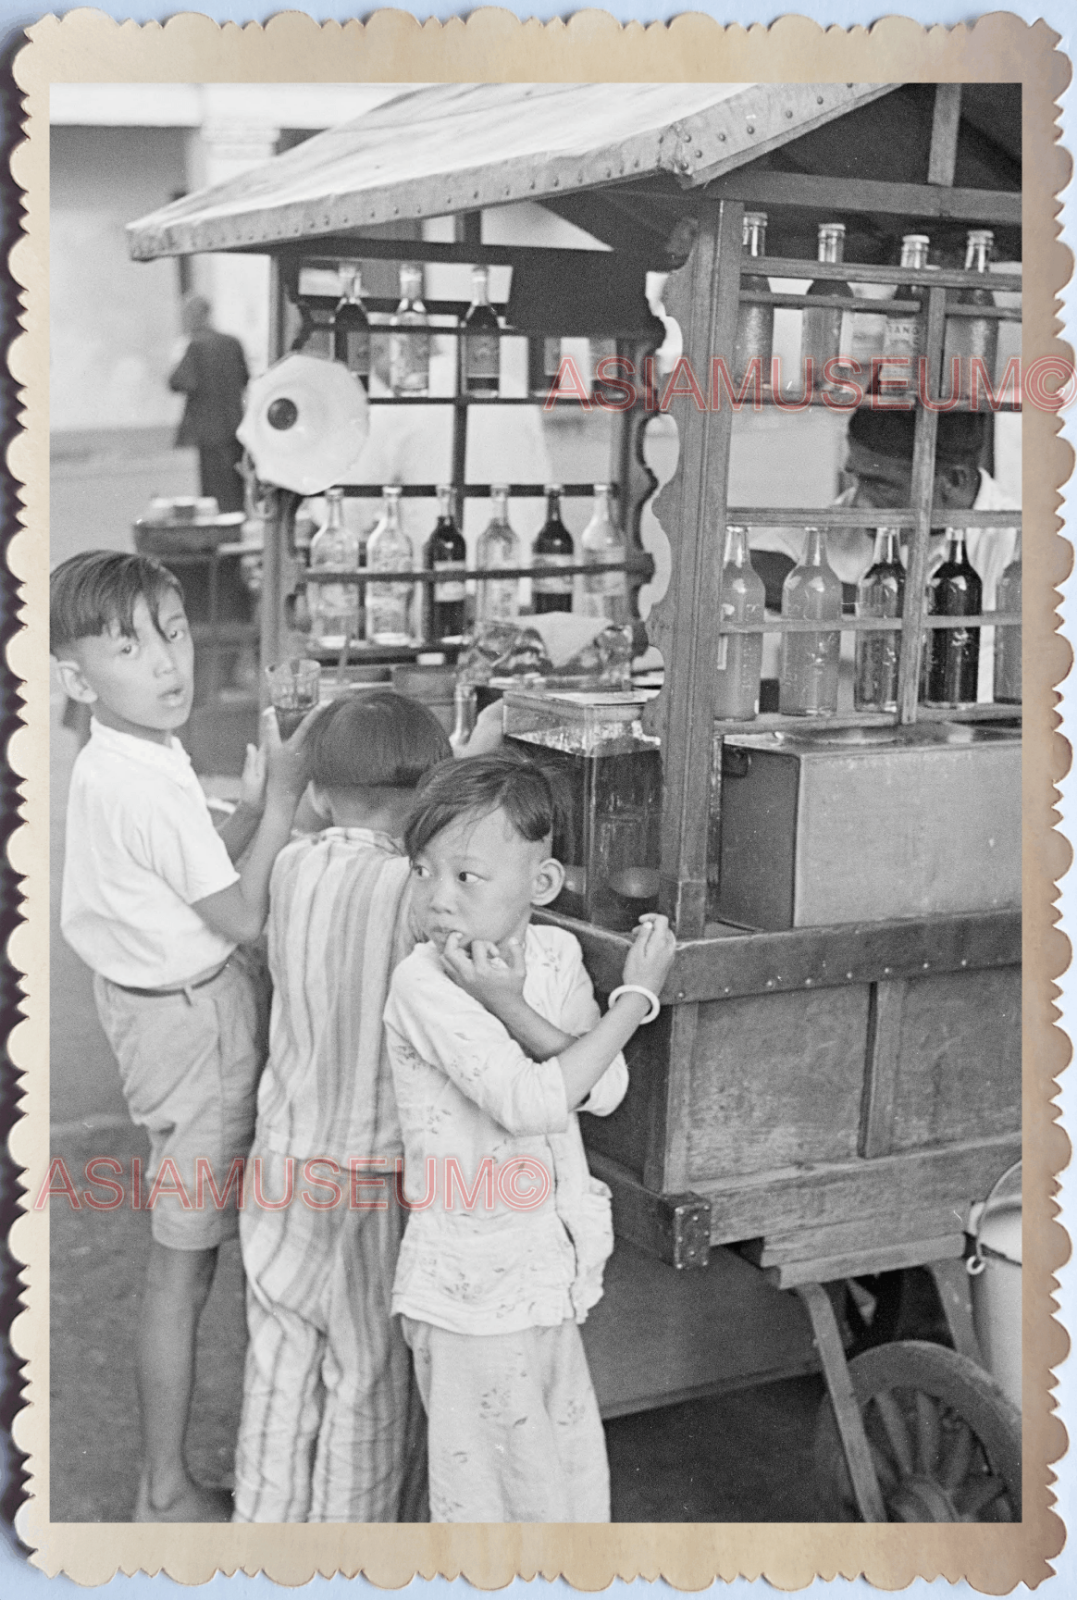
{"points": [[324, 1433]]}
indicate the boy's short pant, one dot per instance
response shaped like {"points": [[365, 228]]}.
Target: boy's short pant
{"points": [[189, 1064], [514, 1429]]}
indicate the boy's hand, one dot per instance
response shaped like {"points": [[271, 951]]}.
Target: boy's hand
{"points": [[651, 956], [484, 974], [287, 760], [252, 783]]}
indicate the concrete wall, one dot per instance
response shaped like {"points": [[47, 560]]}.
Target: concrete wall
{"points": [[113, 321]]}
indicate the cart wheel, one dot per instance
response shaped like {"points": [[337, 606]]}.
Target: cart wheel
{"points": [[945, 1440]]}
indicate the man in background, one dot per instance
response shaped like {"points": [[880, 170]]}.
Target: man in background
{"points": [[213, 375]]}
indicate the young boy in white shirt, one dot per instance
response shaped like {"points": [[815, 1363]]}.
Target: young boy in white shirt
{"points": [[495, 1041], [153, 903]]}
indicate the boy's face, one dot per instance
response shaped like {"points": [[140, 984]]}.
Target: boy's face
{"points": [[140, 682], [480, 878]]}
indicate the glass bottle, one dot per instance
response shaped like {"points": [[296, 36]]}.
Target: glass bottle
{"points": [[465, 697], [498, 598], [553, 548], [755, 322], [808, 674], [480, 343], [740, 655], [388, 605], [968, 337], [952, 655], [351, 329], [603, 593], [409, 337], [445, 551], [904, 337], [543, 365], [826, 332], [334, 607], [880, 593], [1008, 639], [315, 336]]}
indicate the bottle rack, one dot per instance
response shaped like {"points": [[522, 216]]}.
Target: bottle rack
{"points": [[915, 623]]}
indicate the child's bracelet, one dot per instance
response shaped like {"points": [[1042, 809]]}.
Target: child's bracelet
{"points": [[648, 994]]}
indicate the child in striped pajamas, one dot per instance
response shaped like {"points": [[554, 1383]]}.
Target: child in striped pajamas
{"points": [[322, 1436]]}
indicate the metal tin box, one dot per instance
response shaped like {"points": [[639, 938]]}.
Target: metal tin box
{"points": [[867, 824]]}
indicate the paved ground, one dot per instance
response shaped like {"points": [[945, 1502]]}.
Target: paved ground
{"points": [[740, 1457]]}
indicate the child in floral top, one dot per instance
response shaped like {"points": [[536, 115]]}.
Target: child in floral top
{"points": [[495, 1041]]}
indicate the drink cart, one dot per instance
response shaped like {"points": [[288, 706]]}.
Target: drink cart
{"points": [[835, 1077]]}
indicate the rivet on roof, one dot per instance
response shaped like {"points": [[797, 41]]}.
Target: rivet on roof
{"points": [[721, 138], [751, 127]]}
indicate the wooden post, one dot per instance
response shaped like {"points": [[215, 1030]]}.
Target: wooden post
{"points": [[636, 482], [941, 165], [703, 296]]}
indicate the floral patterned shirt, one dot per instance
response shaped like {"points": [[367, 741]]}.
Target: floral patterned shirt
{"points": [[508, 1229]]}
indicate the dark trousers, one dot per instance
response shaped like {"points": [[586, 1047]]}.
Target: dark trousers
{"points": [[218, 464]]}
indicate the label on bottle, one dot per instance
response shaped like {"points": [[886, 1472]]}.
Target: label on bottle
{"points": [[357, 351], [409, 360], [902, 339], [454, 590], [500, 600], [483, 357], [552, 582]]}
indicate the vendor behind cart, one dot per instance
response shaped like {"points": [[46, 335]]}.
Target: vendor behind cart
{"points": [[877, 474]]}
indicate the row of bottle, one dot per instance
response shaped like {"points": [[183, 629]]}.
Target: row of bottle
{"points": [[382, 612], [346, 334], [812, 592], [830, 332]]}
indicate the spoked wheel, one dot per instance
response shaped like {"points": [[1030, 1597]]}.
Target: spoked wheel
{"points": [[945, 1440]]}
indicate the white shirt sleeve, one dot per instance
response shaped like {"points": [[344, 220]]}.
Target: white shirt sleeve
{"points": [[176, 840], [459, 1037]]}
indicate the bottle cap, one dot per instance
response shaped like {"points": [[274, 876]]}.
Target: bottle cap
{"points": [[916, 238], [554, 488], [831, 227], [981, 236], [335, 493], [499, 488], [755, 218], [392, 491]]}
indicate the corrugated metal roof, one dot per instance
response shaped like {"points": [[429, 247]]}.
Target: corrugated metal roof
{"points": [[462, 147]]}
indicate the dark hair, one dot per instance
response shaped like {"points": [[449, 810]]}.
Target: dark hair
{"points": [[91, 592], [529, 796], [374, 739], [958, 442]]}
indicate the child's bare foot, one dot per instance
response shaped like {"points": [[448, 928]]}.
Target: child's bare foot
{"points": [[193, 1503]]}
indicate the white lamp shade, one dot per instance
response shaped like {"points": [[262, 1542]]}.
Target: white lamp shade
{"points": [[305, 423]]}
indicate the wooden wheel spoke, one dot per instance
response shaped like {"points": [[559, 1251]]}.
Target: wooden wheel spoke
{"points": [[955, 1464], [896, 1431], [884, 1470], [927, 1433], [985, 1493]]}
